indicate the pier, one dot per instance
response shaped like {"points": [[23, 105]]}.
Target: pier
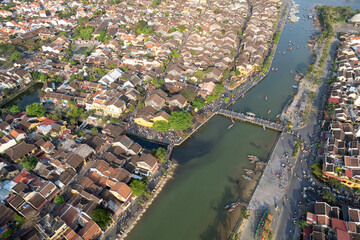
{"points": [[250, 117]]}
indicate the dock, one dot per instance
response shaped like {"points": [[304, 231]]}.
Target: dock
{"points": [[250, 117]]}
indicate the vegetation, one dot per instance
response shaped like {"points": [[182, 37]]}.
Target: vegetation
{"points": [[317, 168], [83, 33], [35, 109], [103, 37], [59, 199], [296, 148], [160, 154], [198, 103], [101, 216], [277, 37], [328, 197], [334, 183], [302, 224], [142, 27], [161, 126], [189, 94], [180, 120], [218, 90], [15, 109], [94, 131], [29, 163], [138, 187]]}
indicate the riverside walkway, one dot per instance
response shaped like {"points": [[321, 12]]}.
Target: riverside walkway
{"points": [[252, 119]]}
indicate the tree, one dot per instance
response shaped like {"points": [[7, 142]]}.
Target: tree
{"points": [[29, 163], [160, 154], [15, 56], [59, 199], [138, 187], [15, 109], [19, 219], [94, 131], [334, 183], [6, 91], [35, 109], [101, 216], [189, 94], [161, 126], [180, 120], [329, 197], [198, 103], [302, 224]]}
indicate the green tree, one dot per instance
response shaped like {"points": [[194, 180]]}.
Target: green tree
{"points": [[334, 183], [328, 197], [161, 126], [180, 120], [138, 187], [198, 103], [15, 109], [159, 153], [29, 163], [35, 109], [302, 224], [101, 216], [19, 219], [94, 131], [15, 56], [189, 94], [59, 199]]}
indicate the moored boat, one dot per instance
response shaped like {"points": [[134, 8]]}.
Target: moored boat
{"points": [[230, 126], [246, 177], [269, 111]]}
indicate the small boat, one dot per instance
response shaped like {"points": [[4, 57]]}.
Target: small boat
{"points": [[246, 177], [265, 98], [291, 72], [279, 52], [291, 49], [276, 69], [248, 171], [230, 126], [295, 86], [272, 69], [269, 111], [232, 208], [283, 53], [230, 205], [264, 128]]}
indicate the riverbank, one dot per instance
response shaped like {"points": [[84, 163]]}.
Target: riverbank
{"points": [[164, 179], [17, 94]]}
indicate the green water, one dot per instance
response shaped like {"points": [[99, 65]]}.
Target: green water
{"points": [[211, 162]]}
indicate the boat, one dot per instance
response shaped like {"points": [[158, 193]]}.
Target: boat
{"points": [[253, 158], [290, 71], [283, 53], [232, 208], [230, 205], [272, 69], [276, 69], [295, 86], [265, 98], [230, 126], [269, 111], [246, 177], [248, 171], [264, 128]]}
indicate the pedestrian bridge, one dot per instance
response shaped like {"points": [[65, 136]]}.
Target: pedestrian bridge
{"points": [[250, 117]]}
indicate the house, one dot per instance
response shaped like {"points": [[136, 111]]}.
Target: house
{"points": [[8, 172], [121, 191], [127, 144], [20, 150], [6, 217], [155, 101], [144, 116], [111, 77], [177, 101], [145, 165], [50, 227]]}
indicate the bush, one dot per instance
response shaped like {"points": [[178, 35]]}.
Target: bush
{"points": [[296, 148], [35, 109], [29, 163], [198, 103]]}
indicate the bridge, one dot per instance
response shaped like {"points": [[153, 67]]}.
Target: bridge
{"points": [[250, 117]]}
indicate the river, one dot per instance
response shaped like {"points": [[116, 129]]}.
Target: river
{"points": [[211, 162], [30, 96]]}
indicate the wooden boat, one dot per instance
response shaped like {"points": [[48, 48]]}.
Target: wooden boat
{"points": [[246, 177], [269, 111], [230, 126], [291, 72], [283, 53], [265, 98], [248, 171], [264, 128], [276, 69], [272, 69]]}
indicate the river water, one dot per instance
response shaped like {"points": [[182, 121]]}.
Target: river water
{"points": [[211, 162]]}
